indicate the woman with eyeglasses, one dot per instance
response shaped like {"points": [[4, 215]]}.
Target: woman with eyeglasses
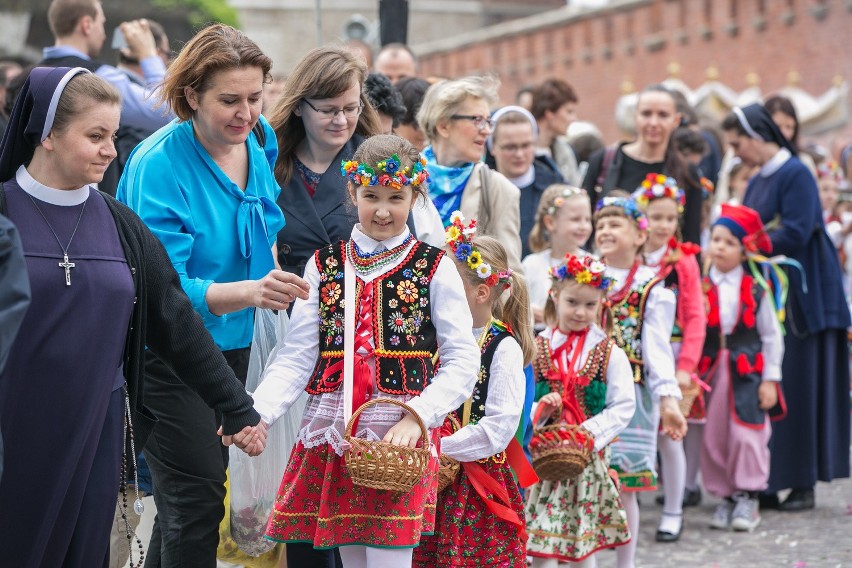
{"points": [[456, 118]]}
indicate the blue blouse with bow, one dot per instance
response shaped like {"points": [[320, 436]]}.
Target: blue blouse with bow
{"points": [[212, 230]]}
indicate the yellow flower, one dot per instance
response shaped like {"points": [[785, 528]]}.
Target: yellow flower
{"points": [[661, 178], [474, 260], [583, 277], [453, 233]]}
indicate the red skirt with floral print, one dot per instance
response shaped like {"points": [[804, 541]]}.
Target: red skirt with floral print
{"points": [[467, 533], [318, 503]]}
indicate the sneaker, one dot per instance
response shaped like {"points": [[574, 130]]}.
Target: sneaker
{"points": [[746, 513], [722, 516]]}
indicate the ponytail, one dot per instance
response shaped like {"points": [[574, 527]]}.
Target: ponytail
{"points": [[515, 311]]}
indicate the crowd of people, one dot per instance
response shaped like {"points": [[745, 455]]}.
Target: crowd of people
{"points": [[518, 293]]}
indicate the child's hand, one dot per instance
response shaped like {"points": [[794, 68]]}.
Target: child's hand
{"points": [[767, 394], [672, 420], [404, 433], [684, 379], [552, 400], [251, 439]]}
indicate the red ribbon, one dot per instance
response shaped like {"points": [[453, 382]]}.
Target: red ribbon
{"points": [[483, 484], [520, 465]]}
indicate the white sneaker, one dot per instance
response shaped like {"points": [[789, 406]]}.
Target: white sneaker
{"points": [[722, 516], [746, 513]]}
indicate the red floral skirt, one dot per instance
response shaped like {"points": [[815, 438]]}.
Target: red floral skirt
{"points": [[318, 503], [467, 533]]}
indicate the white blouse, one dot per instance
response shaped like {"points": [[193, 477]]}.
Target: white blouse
{"points": [[620, 395], [503, 407], [289, 373], [771, 337]]}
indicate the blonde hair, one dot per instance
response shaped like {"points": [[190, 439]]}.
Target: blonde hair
{"points": [[325, 72], [551, 316], [444, 99], [383, 146], [516, 309], [539, 238]]}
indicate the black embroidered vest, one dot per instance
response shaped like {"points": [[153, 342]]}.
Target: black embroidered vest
{"points": [[404, 336]]}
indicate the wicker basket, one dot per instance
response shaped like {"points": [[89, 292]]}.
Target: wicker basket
{"points": [[560, 451], [689, 394], [449, 468], [382, 465]]}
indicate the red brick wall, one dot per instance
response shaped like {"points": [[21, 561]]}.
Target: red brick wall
{"points": [[637, 43]]}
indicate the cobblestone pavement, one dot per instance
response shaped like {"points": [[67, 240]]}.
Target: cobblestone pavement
{"points": [[821, 538]]}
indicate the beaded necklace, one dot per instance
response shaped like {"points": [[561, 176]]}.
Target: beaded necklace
{"points": [[367, 262], [622, 292]]}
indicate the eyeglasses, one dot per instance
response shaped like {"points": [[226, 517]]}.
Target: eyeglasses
{"points": [[512, 148], [480, 122], [331, 113]]}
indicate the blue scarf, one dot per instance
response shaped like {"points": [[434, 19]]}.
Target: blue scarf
{"points": [[446, 184]]}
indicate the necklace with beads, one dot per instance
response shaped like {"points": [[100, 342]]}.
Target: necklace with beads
{"points": [[622, 292], [367, 262]]}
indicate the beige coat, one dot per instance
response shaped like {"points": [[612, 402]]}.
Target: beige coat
{"points": [[494, 202]]}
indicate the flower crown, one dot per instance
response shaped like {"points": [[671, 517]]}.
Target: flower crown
{"points": [[583, 271], [557, 202], [460, 240], [656, 186], [386, 173], [629, 207], [830, 170]]}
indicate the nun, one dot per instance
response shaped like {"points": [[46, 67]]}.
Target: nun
{"points": [[71, 399], [812, 443]]}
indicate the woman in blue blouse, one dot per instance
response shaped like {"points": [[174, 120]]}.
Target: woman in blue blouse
{"points": [[204, 186]]}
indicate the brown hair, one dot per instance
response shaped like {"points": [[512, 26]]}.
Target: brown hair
{"points": [[383, 146], [64, 15], [551, 317], [550, 95], [81, 92], [516, 309], [324, 73], [539, 239], [784, 105], [215, 48]]}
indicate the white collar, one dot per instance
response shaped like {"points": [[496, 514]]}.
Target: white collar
{"points": [[733, 276], [557, 338], [526, 179], [65, 198], [369, 244], [654, 258], [775, 162]]}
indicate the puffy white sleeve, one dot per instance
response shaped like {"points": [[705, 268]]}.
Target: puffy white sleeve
{"points": [[503, 407], [620, 401], [457, 348], [657, 355], [290, 371], [771, 341]]}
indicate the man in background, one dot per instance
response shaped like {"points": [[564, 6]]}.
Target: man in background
{"points": [[396, 61]]}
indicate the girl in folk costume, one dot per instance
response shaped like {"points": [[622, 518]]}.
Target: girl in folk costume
{"points": [[589, 379], [643, 312], [480, 518], [662, 202], [410, 305], [563, 223], [742, 362]]}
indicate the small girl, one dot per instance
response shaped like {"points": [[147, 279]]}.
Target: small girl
{"points": [[586, 375], [662, 202], [410, 303], [480, 517], [738, 180], [643, 314], [742, 362], [563, 223]]}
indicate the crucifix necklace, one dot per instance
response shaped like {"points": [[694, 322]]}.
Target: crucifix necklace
{"points": [[65, 264]]}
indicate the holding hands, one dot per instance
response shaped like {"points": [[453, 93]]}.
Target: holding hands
{"points": [[671, 418], [251, 439]]}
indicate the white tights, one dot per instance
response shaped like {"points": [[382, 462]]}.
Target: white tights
{"points": [[627, 553], [369, 557], [588, 562], [673, 465]]}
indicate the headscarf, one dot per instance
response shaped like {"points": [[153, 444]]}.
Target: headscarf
{"points": [[758, 124], [32, 116]]}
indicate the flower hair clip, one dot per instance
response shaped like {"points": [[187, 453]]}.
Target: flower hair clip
{"points": [[386, 173], [629, 207], [459, 238], [583, 271], [557, 202], [656, 186]]}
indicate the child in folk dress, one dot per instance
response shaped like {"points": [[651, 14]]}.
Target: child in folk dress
{"points": [[410, 303], [480, 516], [643, 312], [589, 378], [563, 224], [662, 201], [742, 363]]}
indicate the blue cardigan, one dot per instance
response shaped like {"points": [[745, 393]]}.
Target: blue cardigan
{"points": [[790, 194], [212, 230]]}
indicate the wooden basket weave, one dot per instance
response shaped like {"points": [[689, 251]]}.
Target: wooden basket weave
{"points": [[689, 394], [382, 465], [561, 451], [449, 468]]}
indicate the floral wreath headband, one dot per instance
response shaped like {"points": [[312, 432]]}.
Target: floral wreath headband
{"points": [[586, 271], [387, 173], [831, 171], [629, 207], [557, 202], [657, 186], [460, 240]]}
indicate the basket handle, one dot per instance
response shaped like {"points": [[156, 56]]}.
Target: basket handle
{"points": [[424, 433], [538, 410]]}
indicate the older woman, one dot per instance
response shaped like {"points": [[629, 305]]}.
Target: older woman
{"points": [[812, 442], [204, 186], [455, 117]]}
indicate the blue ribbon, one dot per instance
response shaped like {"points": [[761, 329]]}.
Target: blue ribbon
{"points": [[251, 225]]}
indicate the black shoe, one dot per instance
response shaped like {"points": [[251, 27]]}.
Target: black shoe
{"points": [[769, 501], [665, 536], [691, 497], [799, 500]]}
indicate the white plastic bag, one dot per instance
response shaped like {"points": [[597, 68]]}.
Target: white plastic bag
{"points": [[255, 481]]}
